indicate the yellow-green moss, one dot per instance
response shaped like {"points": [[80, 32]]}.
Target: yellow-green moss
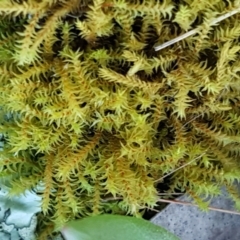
{"points": [[97, 113]]}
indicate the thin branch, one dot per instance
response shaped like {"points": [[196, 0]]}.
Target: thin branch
{"points": [[163, 194], [177, 202], [190, 121], [158, 47], [152, 209], [160, 179], [195, 205], [111, 199]]}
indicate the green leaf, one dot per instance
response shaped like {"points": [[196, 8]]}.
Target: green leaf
{"points": [[115, 227]]}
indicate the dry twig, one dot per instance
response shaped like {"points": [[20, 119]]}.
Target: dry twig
{"points": [[160, 179], [158, 47], [195, 205]]}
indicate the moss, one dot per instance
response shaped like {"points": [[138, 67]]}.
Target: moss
{"points": [[98, 114]]}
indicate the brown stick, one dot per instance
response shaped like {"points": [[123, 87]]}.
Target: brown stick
{"points": [[160, 179], [158, 47], [195, 205]]}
